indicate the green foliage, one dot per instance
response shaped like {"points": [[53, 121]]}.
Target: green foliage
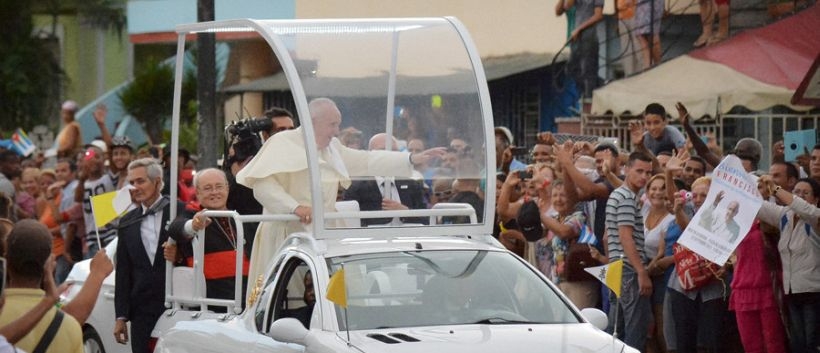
{"points": [[29, 72], [149, 98], [188, 136]]}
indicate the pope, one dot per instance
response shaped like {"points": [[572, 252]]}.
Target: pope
{"points": [[279, 177]]}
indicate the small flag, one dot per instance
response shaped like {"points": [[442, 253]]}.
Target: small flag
{"points": [[123, 199], [102, 206], [336, 291], [22, 143], [108, 206], [610, 275], [587, 236]]}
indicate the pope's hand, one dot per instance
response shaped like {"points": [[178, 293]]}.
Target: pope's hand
{"points": [[427, 155], [304, 214]]}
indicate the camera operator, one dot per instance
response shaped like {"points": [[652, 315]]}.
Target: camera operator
{"points": [[282, 120], [245, 138]]}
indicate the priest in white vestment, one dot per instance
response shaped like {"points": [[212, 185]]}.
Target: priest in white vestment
{"points": [[280, 181]]}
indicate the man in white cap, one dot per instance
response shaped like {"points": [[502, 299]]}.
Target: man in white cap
{"points": [[503, 141], [70, 139]]}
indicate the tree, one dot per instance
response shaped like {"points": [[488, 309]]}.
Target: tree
{"points": [[149, 98], [30, 75]]}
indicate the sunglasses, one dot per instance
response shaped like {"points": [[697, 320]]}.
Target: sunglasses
{"points": [[443, 193]]}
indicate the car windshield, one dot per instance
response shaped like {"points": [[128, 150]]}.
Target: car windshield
{"points": [[436, 287]]}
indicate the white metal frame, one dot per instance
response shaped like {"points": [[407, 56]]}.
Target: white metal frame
{"points": [[265, 30]]}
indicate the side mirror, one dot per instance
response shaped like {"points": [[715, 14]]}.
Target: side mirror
{"points": [[595, 317], [289, 330]]}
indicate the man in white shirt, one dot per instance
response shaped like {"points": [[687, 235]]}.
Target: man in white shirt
{"points": [[139, 293]]}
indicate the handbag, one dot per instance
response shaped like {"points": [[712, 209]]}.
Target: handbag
{"points": [[578, 258], [693, 271]]}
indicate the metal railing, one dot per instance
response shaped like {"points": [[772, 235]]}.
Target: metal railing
{"points": [[199, 297]]}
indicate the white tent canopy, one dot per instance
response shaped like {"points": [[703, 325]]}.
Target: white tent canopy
{"points": [[705, 87]]}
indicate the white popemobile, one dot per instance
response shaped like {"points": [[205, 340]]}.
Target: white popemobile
{"points": [[438, 283]]}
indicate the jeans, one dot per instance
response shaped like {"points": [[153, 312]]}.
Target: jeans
{"points": [[61, 269], [631, 312], [804, 311], [697, 323]]}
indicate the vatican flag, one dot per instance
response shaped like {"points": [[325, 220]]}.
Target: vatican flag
{"points": [[609, 274], [336, 291]]}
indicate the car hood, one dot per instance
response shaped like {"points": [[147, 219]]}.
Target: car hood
{"points": [[564, 338]]}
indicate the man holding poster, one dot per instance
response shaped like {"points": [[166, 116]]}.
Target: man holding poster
{"points": [[715, 231]]}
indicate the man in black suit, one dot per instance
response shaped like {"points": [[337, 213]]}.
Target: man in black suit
{"points": [[379, 193], [140, 282]]}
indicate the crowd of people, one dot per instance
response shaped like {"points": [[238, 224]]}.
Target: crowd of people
{"points": [[766, 298], [562, 206]]}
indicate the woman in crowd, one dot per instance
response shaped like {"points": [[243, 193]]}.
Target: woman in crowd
{"points": [[563, 229], [799, 248], [696, 315], [525, 210], [656, 221], [755, 287], [26, 197]]}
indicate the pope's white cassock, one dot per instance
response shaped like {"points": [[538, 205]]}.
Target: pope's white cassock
{"points": [[279, 178]]}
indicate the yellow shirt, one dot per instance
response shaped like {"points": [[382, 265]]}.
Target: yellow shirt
{"points": [[19, 301]]}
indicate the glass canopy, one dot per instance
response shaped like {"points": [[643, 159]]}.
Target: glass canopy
{"points": [[418, 80]]}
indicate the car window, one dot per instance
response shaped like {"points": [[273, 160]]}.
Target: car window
{"points": [[293, 293], [422, 288], [264, 306]]}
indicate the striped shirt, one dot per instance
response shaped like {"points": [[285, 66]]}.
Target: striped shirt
{"points": [[622, 210]]}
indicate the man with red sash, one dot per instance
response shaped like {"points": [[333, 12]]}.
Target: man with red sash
{"points": [[220, 236]]}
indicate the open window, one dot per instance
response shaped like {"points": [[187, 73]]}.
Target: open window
{"points": [[294, 293]]}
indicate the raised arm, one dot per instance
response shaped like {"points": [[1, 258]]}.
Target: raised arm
{"points": [[504, 207], [586, 189], [100, 113], [700, 146], [81, 306], [636, 134]]}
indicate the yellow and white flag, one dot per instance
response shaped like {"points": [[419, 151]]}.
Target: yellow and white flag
{"points": [[107, 207], [610, 275], [336, 290]]}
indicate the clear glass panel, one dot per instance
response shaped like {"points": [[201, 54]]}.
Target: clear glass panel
{"points": [[412, 79], [422, 288]]}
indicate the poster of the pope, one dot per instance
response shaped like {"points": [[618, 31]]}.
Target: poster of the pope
{"points": [[726, 216]]}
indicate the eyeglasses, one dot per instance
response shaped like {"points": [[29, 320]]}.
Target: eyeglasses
{"points": [[443, 193], [214, 188]]}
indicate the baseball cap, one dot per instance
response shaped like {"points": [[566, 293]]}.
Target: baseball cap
{"points": [[70, 105], [506, 132], [529, 221], [121, 141], [99, 144]]}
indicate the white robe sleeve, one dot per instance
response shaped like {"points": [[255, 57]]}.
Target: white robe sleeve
{"points": [[273, 197]]}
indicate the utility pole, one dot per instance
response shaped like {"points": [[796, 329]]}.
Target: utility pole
{"points": [[206, 89]]}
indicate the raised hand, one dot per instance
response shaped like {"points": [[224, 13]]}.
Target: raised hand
{"points": [[683, 114], [427, 155], [563, 153], [765, 182], [546, 138], [100, 113], [719, 197], [636, 132]]}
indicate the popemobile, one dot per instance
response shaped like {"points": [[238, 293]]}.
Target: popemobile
{"points": [[431, 279]]}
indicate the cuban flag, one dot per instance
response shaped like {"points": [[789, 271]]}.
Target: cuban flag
{"points": [[22, 144]]}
